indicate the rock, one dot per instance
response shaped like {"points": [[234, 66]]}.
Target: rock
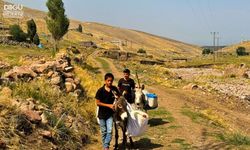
{"points": [[77, 81], [69, 80], [68, 75], [246, 74], [40, 68], [22, 72], [50, 73], [69, 87], [2, 144], [191, 87], [33, 116], [24, 107], [68, 69], [44, 118], [46, 134], [56, 80]]}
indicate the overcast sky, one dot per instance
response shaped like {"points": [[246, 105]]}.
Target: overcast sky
{"points": [[189, 21]]}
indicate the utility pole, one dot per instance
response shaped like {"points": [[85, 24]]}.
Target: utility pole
{"points": [[218, 46], [214, 37]]}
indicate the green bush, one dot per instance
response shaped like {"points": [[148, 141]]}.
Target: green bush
{"points": [[31, 29], [241, 51], [17, 33], [207, 51], [141, 51]]}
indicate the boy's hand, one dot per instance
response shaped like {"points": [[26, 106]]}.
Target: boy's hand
{"points": [[111, 106]]}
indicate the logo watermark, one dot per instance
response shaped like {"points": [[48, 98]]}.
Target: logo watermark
{"points": [[13, 11]]}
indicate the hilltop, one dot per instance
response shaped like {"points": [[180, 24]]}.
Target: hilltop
{"points": [[232, 48], [104, 35]]}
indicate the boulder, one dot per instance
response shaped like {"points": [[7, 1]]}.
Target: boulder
{"points": [[50, 73], [42, 68], [191, 86], [69, 69], [77, 81], [22, 72], [46, 134], [69, 87], [246, 74], [69, 80], [44, 118], [56, 80], [32, 116], [68, 75]]}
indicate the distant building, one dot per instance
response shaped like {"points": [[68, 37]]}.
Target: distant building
{"points": [[88, 44]]}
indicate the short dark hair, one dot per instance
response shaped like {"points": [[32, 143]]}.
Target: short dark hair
{"points": [[126, 71], [108, 75]]}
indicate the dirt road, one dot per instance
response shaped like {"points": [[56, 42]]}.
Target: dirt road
{"points": [[178, 123]]}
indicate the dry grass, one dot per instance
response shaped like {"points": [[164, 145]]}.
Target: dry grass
{"points": [[159, 46]]}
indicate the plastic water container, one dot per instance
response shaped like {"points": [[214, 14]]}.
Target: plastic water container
{"points": [[152, 100]]}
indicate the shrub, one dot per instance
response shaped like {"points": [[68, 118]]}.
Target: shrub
{"points": [[207, 51], [31, 30], [241, 51], [17, 33], [141, 51]]}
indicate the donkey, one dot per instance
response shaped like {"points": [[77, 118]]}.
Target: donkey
{"points": [[121, 119], [140, 98]]}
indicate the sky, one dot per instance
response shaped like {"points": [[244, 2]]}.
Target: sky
{"points": [[190, 21]]}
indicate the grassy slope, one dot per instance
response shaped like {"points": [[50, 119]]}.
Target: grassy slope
{"points": [[154, 44], [233, 47]]}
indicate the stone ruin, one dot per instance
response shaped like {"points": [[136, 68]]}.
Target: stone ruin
{"points": [[59, 73]]}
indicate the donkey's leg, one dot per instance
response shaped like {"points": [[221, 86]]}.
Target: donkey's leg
{"points": [[131, 142], [116, 136], [124, 130]]}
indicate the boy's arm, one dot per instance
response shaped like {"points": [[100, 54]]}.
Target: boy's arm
{"points": [[99, 103]]}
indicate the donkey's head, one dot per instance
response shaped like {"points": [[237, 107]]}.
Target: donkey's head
{"points": [[121, 107], [139, 95]]}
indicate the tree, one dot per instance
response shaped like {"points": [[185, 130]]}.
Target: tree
{"points": [[57, 21], [79, 29], [207, 51], [241, 51], [36, 39], [17, 33], [31, 30]]}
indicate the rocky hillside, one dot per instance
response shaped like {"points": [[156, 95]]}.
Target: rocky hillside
{"points": [[44, 104], [103, 35]]}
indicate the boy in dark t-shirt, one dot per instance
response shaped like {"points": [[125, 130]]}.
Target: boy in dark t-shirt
{"points": [[105, 99], [128, 85]]}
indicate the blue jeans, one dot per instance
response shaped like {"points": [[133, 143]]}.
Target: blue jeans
{"points": [[106, 131]]}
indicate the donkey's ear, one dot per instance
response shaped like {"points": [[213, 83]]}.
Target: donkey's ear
{"points": [[143, 87], [124, 92]]}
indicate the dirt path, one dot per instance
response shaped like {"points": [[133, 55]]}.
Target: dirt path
{"points": [[177, 130]]}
